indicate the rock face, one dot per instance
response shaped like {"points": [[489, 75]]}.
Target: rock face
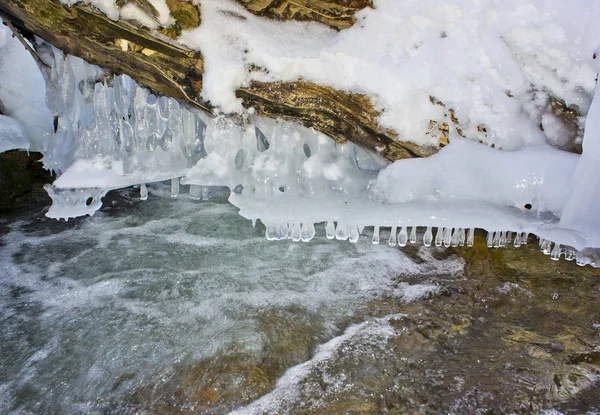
{"points": [[338, 14], [21, 181], [341, 115], [185, 13]]}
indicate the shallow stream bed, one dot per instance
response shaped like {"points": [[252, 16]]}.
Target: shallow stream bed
{"points": [[175, 306]]}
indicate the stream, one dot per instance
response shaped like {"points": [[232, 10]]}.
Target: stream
{"points": [[180, 306]]}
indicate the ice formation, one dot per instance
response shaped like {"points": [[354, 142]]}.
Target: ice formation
{"points": [[12, 134], [22, 92], [493, 65], [117, 134]]}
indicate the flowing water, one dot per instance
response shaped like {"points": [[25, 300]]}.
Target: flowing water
{"points": [[179, 306], [96, 309]]}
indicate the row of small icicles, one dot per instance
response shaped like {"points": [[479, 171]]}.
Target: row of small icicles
{"points": [[446, 237]]}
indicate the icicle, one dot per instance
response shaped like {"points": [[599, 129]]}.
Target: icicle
{"points": [[447, 237], [393, 241], [143, 191], [427, 237], [283, 231], [508, 237], [570, 253], [166, 139], [548, 249], [175, 187], [402, 236], [580, 259], [262, 144], [376, 235], [342, 231], [502, 240], [496, 240], [330, 230], [413, 235], [455, 237], [295, 232], [439, 236], [307, 232], [471, 237], [555, 254], [461, 237], [524, 238], [518, 238], [546, 246], [490, 239], [354, 234], [271, 232], [126, 137], [195, 192]]}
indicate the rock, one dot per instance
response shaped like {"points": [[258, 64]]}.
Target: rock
{"points": [[563, 126], [21, 181], [338, 14], [185, 13]]}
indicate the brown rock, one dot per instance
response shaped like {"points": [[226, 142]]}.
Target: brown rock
{"points": [[185, 13], [338, 14]]}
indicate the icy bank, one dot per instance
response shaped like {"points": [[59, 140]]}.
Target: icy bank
{"points": [[291, 177], [496, 66]]}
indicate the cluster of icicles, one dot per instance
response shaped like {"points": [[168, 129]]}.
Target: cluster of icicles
{"points": [[446, 237]]}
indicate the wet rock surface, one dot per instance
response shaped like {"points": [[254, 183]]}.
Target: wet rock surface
{"points": [[22, 178]]}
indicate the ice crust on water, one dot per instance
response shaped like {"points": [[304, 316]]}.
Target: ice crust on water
{"points": [[291, 177]]}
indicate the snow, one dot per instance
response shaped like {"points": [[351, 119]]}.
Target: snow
{"points": [[582, 211], [555, 130], [495, 63], [22, 92], [465, 170], [466, 54]]}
